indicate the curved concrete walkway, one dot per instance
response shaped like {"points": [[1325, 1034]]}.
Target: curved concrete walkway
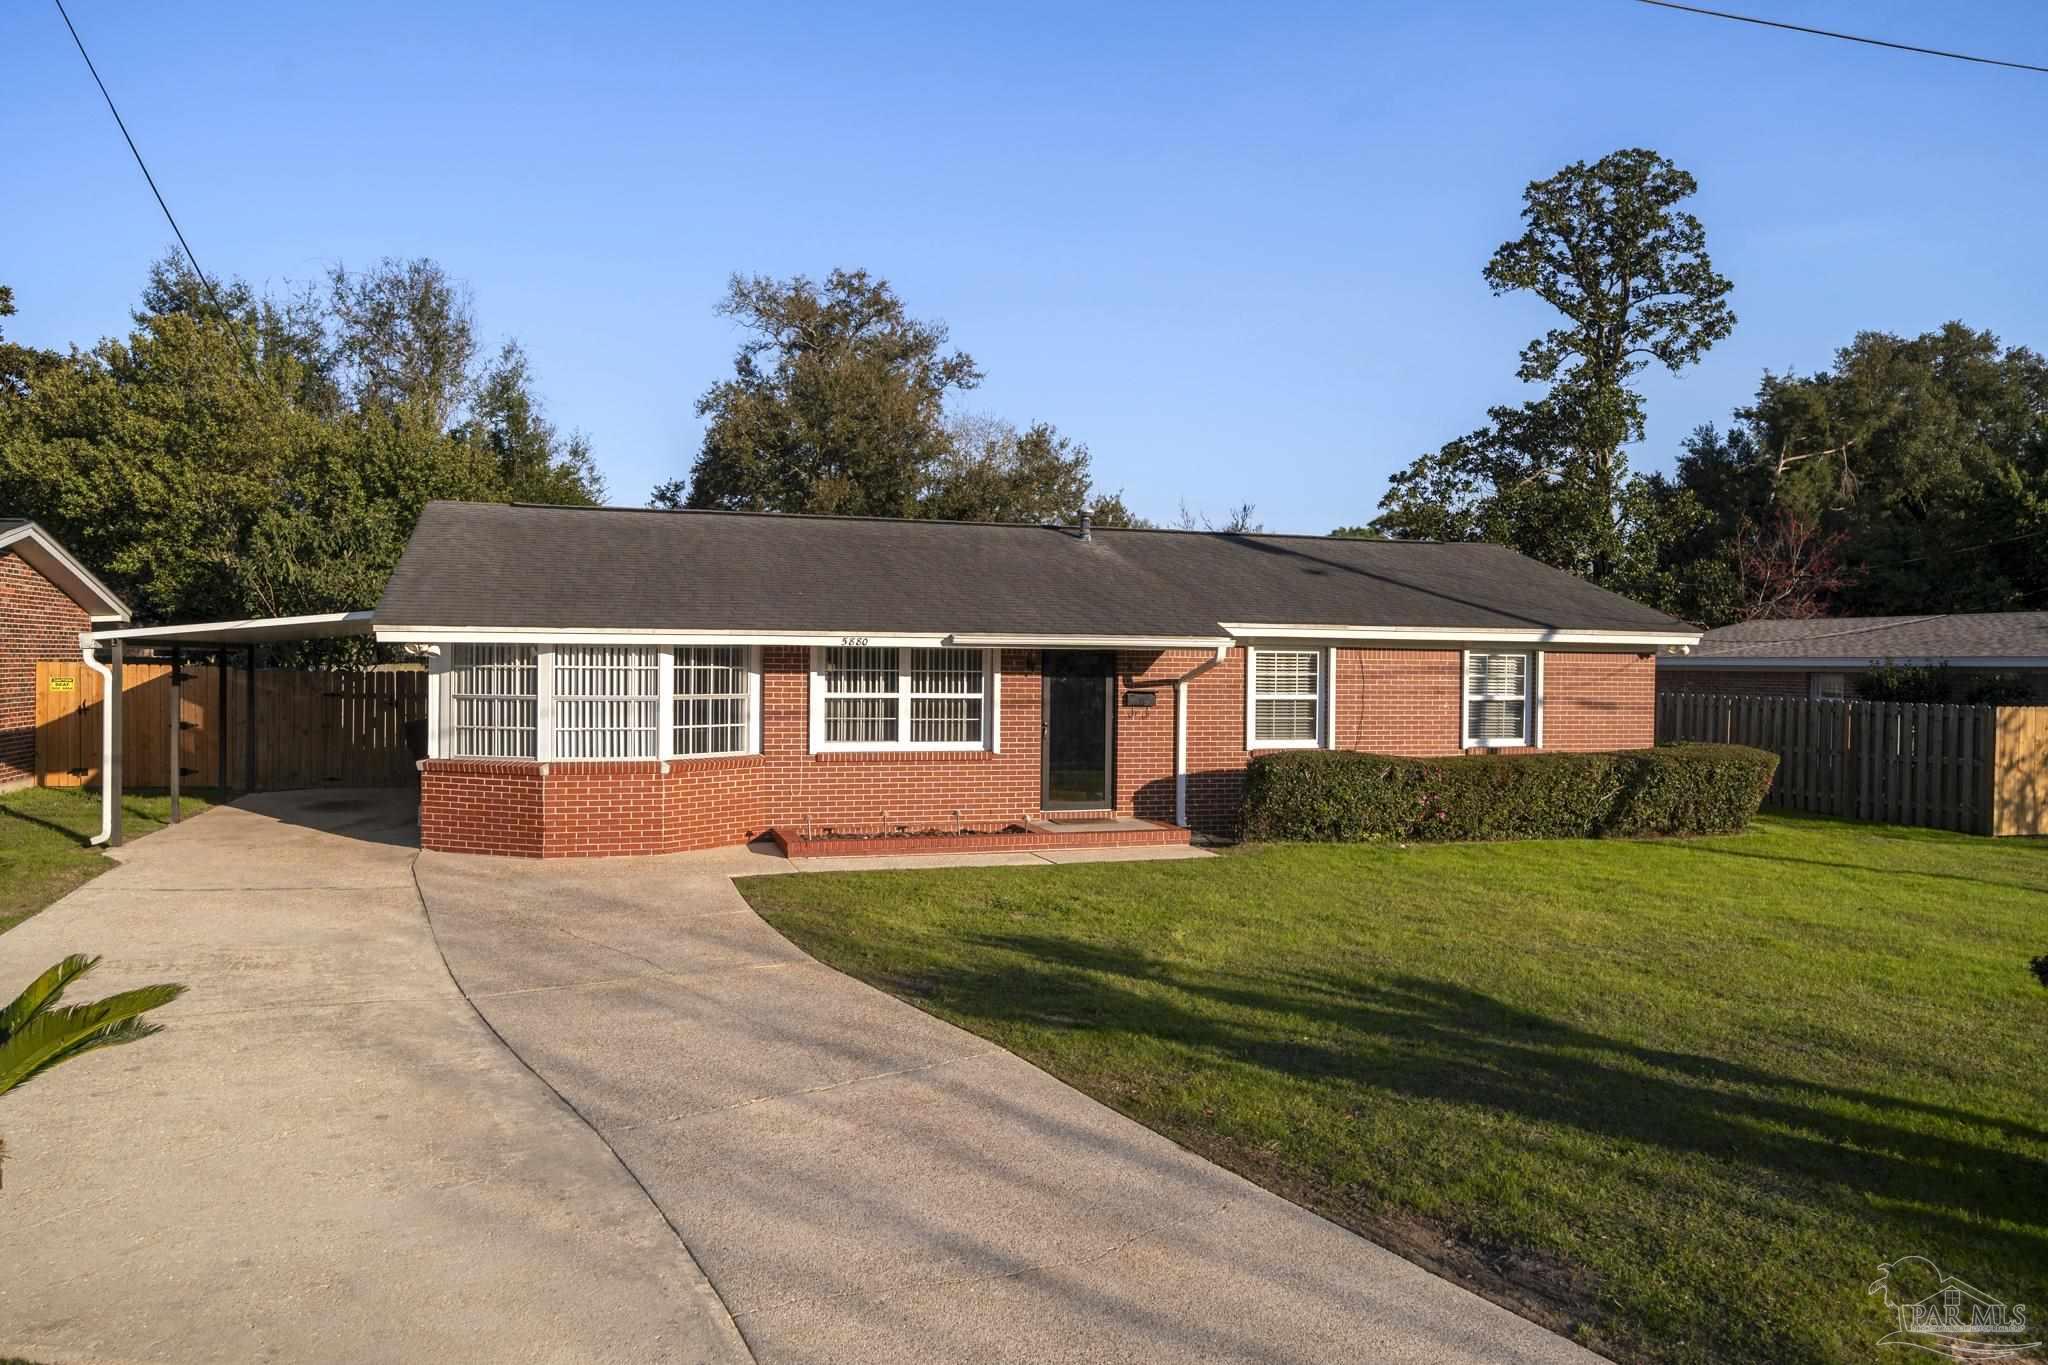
{"points": [[325, 1155], [865, 1183]]}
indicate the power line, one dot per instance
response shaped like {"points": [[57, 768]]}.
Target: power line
{"points": [[1845, 37], [120, 123]]}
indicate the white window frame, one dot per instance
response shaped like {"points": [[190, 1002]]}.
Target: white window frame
{"points": [[442, 701], [750, 661], [1816, 687], [451, 728], [1531, 699], [1325, 698], [991, 706]]}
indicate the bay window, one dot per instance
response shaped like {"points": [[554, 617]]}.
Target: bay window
{"points": [[594, 702], [1285, 703], [865, 697], [1499, 700]]}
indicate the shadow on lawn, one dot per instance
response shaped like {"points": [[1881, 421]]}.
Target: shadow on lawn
{"points": [[1756, 855], [1431, 1040]]}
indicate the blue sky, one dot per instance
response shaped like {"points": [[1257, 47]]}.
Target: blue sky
{"points": [[1235, 249]]}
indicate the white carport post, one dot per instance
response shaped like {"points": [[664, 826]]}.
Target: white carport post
{"points": [[222, 635]]}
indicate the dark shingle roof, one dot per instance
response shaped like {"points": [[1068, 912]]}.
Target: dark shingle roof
{"points": [[479, 564], [1971, 635]]}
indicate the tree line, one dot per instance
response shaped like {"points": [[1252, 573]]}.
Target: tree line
{"points": [[238, 454], [250, 454], [1909, 476]]}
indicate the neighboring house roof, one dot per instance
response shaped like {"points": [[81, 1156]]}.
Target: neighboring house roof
{"points": [[40, 550], [2009, 638], [475, 565]]}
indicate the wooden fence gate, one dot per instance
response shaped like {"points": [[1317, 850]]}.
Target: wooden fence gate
{"points": [[313, 729], [1977, 769]]}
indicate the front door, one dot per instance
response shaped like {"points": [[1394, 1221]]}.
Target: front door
{"points": [[1079, 716]]}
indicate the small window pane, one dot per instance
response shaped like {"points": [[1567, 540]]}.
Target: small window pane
{"points": [[495, 696], [1496, 675], [860, 671], [711, 694], [1494, 719], [1284, 719], [607, 702], [860, 720]]}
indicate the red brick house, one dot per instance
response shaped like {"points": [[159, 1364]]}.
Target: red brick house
{"points": [[47, 600], [609, 681]]}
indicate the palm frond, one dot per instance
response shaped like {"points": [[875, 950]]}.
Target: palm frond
{"points": [[56, 1035], [43, 992]]}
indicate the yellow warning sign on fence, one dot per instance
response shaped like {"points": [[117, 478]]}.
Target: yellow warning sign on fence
{"points": [[58, 684]]}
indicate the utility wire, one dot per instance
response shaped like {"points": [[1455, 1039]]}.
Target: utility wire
{"points": [[120, 123], [1845, 37]]}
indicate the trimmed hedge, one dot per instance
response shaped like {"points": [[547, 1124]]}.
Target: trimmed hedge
{"points": [[1326, 796]]}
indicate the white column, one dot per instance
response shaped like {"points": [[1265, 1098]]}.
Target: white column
{"points": [[544, 710], [665, 704]]}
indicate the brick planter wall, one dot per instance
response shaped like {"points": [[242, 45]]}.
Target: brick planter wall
{"points": [[36, 622], [1388, 701]]}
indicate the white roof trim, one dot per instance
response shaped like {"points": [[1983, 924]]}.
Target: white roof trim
{"points": [[1525, 635], [73, 579], [1092, 641], [1791, 661], [515, 635], [321, 626]]}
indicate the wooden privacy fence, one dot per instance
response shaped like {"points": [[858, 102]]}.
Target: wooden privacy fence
{"points": [[313, 729], [1977, 769]]}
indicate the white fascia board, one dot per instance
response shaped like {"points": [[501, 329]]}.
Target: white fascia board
{"points": [[1614, 639], [327, 625], [993, 641], [1851, 664], [514, 635], [55, 563]]}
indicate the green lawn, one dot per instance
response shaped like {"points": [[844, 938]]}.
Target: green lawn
{"points": [[43, 833], [1679, 1098]]}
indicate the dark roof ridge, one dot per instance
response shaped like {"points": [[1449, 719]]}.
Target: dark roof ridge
{"points": [[955, 521]]}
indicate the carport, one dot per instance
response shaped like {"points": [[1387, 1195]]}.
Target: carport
{"points": [[177, 646]]}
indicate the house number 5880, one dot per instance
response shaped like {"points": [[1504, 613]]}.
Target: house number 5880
{"points": [[853, 641]]}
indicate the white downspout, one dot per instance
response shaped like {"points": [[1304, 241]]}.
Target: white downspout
{"points": [[85, 651], [1180, 733]]}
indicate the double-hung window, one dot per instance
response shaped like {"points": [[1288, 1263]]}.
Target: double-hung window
{"points": [[607, 702], [869, 697], [494, 697], [713, 700], [1286, 708], [1499, 700]]}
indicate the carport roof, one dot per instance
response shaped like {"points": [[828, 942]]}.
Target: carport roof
{"points": [[332, 625]]}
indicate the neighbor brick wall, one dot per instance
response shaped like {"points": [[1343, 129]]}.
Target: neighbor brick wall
{"points": [[36, 622], [1388, 701]]}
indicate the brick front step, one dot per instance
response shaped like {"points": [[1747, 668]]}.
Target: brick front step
{"points": [[1126, 834]]}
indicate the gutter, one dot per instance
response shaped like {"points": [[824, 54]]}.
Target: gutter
{"points": [[86, 652]]}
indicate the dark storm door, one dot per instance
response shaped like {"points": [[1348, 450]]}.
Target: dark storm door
{"points": [[1078, 720]]}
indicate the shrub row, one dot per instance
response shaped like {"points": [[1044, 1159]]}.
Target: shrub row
{"points": [[1328, 796]]}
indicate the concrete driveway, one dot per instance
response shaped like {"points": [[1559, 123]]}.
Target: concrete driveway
{"points": [[325, 1155], [865, 1183]]}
